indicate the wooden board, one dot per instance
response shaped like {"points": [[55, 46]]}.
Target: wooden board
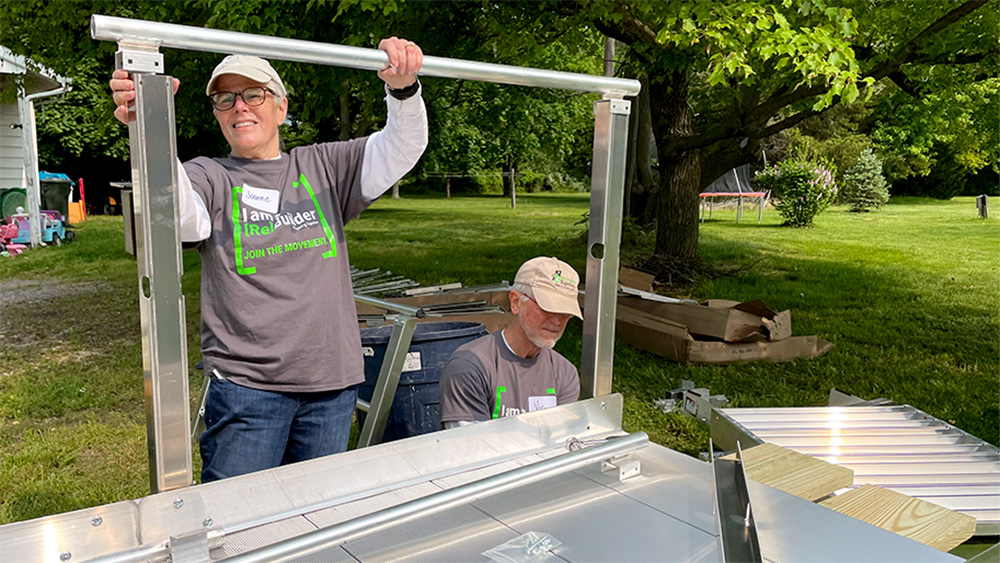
{"points": [[798, 474], [916, 519]]}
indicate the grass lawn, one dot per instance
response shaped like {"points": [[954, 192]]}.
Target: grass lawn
{"points": [[910, 296]]}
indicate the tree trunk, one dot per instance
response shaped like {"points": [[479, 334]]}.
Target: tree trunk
{"points": [[509, 187], [395, 191], [345, 111], [609, 56], [680, 171], [447, 187], [643, 183]]}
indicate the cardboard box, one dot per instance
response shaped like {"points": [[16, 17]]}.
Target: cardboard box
{"points": [[729, 321], [635, 279], [648, 331]]}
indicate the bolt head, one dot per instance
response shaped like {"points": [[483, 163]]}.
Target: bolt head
{"points": [[65, 556], [96, 521], [207, 523], [178, 502]]}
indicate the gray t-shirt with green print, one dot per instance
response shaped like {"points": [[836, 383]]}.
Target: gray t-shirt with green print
{"points": [[277, 307], [484, 380]]}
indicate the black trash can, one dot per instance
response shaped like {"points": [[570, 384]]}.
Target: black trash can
{"points": [[55, 196], [415, 409]]}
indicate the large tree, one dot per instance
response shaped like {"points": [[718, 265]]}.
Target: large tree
{"points": [[723, 76]]}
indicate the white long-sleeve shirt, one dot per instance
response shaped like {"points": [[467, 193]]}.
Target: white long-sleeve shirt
{"points": [[389, 155]]}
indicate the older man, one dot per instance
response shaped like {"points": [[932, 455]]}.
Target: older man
{"points": [[279, 329], [515, 370]]}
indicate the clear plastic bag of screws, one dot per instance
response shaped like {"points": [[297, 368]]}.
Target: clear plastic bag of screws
{"points": [[530, 547]]}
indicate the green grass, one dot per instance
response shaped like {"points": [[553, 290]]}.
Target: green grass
{"points": [[910, 296]]}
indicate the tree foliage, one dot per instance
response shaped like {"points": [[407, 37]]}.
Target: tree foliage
{"points": [[865, 188], [801, 189], [724, 76]]}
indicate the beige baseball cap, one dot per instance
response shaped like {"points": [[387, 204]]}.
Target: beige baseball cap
{"points": [[254, 68], [553, 284]]}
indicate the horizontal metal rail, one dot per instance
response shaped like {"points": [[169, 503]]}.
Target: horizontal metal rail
{"points": [[110, 28], [326, 538], [390, 306]]}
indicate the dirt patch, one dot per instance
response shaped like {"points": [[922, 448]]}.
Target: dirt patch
{"points": [[31, 318], [20, 292]]}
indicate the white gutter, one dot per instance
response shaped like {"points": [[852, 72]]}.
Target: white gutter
{"points": [[26, 110]]}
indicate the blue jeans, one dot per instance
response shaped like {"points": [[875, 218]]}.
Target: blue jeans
{"points": [[249, 430]]}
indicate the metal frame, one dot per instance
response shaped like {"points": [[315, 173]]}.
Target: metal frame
{"points": [[734, 516], [325, 538], [161, 303], [139, 43]]}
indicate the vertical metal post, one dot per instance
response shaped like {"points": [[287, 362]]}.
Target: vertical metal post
{"points": [[161, 303], [388, 380], [607, 195], [26, 112]]}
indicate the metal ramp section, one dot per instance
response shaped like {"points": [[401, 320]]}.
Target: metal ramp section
{"points": [[663, 513], [897, 447]]}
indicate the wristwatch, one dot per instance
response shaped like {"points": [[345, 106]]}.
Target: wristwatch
{"points": [[404, 93]]}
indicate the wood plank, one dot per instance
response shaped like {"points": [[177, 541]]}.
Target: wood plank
{"points": [[798, 474], [916, 519]]}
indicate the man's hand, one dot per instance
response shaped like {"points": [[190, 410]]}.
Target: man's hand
{"points": [[405, 60], [123, 92]]}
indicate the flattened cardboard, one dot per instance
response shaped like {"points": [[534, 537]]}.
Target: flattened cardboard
{"points": [[635, 279], [663, 337], [720, 319]]}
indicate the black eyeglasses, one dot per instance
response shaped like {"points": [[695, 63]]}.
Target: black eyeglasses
{"points": [[253, 97]]}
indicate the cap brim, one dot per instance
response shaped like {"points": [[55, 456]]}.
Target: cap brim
{"points": [[241, 70], [558, 304]]}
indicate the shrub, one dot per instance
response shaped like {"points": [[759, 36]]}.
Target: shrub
{"points": [[864, 186], [800, 189]]}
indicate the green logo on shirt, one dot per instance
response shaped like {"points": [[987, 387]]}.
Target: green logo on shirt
{"points": [[254, 223]]}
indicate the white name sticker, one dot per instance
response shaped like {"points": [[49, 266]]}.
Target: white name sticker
{"points": [[261, 198], [541, 403]]}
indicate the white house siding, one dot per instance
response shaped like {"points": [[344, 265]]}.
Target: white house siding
{"points": [[11, 149]]}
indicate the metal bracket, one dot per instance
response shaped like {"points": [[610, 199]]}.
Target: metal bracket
{"points": [[388, 380], [190, 548], [626, 467], [139, 56], [734, 516], [621, 107]]}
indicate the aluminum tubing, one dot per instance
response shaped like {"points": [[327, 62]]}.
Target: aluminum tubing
{"points": [[333, 536], [389, 306], [109, 28]]}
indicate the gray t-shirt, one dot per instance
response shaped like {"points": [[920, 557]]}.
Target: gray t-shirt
{"points": [[484, 380], [277, 307]]}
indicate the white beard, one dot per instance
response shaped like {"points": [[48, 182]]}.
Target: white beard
{"points": [[536, 338]]}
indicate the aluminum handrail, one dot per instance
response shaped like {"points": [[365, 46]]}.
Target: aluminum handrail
{"points": [[415, 312], [111, 28], [326, 538]]}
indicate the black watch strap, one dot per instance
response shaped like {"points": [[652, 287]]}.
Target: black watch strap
{"points": [[405, 93]]}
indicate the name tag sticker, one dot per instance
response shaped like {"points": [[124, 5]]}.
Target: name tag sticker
{"points": [[261, 198], [541, 402]]}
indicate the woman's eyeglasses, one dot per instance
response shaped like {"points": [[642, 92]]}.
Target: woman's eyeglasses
{"points": [[253, 97]]}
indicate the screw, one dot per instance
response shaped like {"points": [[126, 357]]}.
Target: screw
{"points": [[207, 523], [178, 502], [65, 556], [96, 521], [604, 406]]}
